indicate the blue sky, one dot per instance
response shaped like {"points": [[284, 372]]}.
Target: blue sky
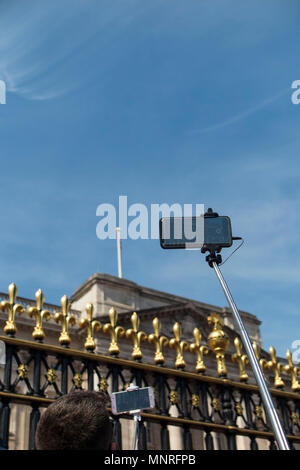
{"points": [[162, 101]]}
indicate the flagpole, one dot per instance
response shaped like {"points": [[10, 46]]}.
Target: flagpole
{"points": [[119, 250]]}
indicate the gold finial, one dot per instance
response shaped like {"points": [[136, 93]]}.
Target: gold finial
{"points": [[114, 331], [12, 309], [241, 360], [276, 368], [257, 350], [262, 361], [199, 350], [65, 319], [40, 315], [158, 341], [91, 325], [218, 342], [293, 371], [136, 336], [179, 345]]}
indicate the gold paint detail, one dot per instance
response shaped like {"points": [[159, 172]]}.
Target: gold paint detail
{"points": [[103, 384], [12, 309], [218, 342], [51, 376], [239, 409], [92, 326], [173, 397], [179, 346], [295, 418], [114, 331], [199, 350], [158, 341], [136, 336], [23, 371], [215, 403], [78, 380], [39, 314], [66, 320], [258, 412], [276, 368], [195, 400], [241, 360], [293, 371]]}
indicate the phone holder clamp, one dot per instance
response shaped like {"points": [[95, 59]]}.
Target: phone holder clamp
{"points": [[136, 418]]}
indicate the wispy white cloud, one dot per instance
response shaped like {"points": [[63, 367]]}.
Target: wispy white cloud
{"points": [[243, 115], [42, 48]]}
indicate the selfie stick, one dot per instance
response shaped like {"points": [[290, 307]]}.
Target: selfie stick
{"points": [[214, 260], [136, 418]]}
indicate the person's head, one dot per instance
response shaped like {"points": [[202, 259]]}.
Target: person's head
{"points": [[78, 420]]}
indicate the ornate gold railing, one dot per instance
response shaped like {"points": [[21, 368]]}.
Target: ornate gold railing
{"points": [[35, 373]]}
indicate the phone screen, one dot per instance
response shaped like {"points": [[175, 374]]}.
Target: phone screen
{"points": [[132, 400], [217, 231], [195, 232]]}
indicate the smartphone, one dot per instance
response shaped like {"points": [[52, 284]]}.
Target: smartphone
{"points": [[139, 399], [195, 232]]}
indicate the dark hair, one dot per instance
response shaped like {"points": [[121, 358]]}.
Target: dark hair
{"points": [[78, 420]]}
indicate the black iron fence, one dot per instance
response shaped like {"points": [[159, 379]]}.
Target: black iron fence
{"points": [[201, 411]]}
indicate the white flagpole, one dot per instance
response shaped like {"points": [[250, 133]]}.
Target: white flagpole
{"points": [[119, 248]]}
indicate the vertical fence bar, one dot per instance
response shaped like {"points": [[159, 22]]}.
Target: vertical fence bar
{"points": [[164, 437], [272, 445], [163, 410], [187, 438], [249, 412], [64, 374], [116, 422], [209, 442], [142, 436], [90, 372], [253, 444], [34, 419], [285, 414], [7, 368], [228, 417], [186, 434], [5, 422], [37, 373]]}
